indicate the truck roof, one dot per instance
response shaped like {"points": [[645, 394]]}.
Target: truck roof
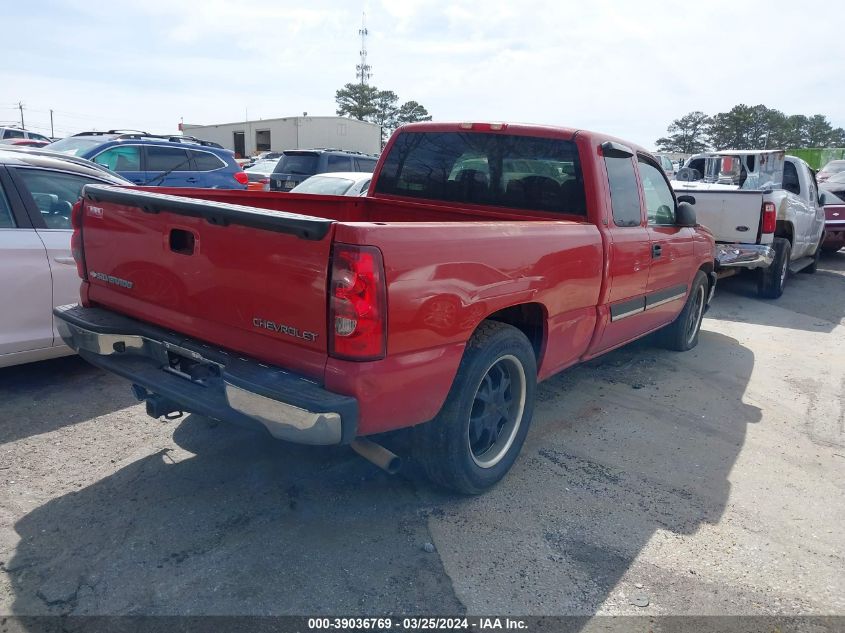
{"points": [[522, 129]]}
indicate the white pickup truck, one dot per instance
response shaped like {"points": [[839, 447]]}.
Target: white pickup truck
{"points": [[763, 208]]}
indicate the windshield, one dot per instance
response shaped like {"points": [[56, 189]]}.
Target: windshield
{"points": [[326, 185], [834, 167], [76, 145], [263, 167], [832, 198], [297, 164]]}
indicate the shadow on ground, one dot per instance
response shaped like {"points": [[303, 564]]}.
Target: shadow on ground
{"points": [[640, 441], [817, 296], [29, 393], [237, 524]]}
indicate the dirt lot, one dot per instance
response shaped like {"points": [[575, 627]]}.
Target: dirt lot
{"points": [[709, 482]]}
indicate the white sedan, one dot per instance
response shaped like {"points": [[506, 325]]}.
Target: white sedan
{"points": [[37, 271], [340, 183]]}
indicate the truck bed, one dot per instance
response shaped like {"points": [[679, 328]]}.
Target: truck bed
{"points": [[198, 266]]}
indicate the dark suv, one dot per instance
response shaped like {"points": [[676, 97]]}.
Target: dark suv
{"points": [[298, 164], [154, 160]]}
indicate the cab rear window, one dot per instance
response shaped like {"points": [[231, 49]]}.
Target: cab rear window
{"points": [[519, 172]]}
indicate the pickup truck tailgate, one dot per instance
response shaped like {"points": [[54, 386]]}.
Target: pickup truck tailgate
{"points": [[248, 280], [732, 216]]}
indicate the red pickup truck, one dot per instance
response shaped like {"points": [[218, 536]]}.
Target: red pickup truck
{"points": [[484, 258]]}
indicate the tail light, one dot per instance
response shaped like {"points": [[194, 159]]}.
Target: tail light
{"points": [[357, 303], [241, 177], [770, 216], [76, 239]]}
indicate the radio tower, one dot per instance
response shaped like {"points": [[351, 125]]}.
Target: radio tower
{"points": [[363, 69]]}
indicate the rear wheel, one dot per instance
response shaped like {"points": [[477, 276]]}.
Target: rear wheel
{"points": [[476, 437], [773, 278], [682, 334]]}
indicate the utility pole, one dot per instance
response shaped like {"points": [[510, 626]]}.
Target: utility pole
{"points": [[363, 69], [52, 133], [20, 107]]}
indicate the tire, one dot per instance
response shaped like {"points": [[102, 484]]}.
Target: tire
{"points": [[682, 333], [471, 443], [773, 278], [812, 268]]}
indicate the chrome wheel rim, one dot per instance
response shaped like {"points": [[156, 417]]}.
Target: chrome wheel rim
{"points": [[696, 313], [496, 413]]}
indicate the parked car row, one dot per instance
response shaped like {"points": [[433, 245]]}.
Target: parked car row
{"points": [[444, 282]]}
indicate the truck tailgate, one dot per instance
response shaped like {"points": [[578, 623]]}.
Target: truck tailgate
{"points": [[732, 216], [245, 279]]}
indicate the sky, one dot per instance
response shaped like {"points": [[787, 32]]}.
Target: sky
{"points": [[626, 68]]}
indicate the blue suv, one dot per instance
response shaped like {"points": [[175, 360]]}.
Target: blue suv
{"points": [[152, 160]]}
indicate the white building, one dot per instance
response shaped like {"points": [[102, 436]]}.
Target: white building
{"points": [[298, 132]]}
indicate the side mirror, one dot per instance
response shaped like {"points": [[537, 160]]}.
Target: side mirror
{"points": [[686, 198], [822, 198], [685, 215]]}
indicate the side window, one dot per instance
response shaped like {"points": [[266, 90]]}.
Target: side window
{"points": [[624, 193], [659, 202], [167, 159], [338, 163], [365, 164], [205, 161], [120, 158], [54, 193], [38, 137], [10, 133], [6, 219], [790, 179]]}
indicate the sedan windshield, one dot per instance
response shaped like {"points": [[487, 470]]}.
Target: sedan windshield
{"points": [[76, 145], [262, 167], [326, 185], [834, 167]]}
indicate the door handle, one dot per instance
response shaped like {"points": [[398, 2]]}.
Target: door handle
{"points": [[656, 251], [191, 180], [69, 261]]}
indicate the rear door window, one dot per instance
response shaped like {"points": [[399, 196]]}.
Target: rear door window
{"points": [[624, 192], [519, 172], [9, 133], [167, 159], [338, 163], [365, 164]]}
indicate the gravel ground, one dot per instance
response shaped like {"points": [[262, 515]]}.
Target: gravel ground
{"points": [[651, 483]]}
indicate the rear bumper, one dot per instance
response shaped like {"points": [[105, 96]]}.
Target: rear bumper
{"points": [[744, 255], [834, 233], [198, 378]]}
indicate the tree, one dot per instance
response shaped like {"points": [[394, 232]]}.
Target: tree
{"points": [[411, 111], [357, 101], [686, 135], [819, 131], [368, 103]]}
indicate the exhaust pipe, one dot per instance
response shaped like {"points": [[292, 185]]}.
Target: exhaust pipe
{"points": [[386, 460]]}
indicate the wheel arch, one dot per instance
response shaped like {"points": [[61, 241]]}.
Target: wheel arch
{"points": [[530, 319]]}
